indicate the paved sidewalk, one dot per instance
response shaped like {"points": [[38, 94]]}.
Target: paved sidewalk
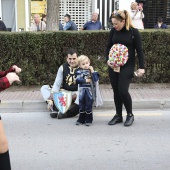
{"points": [[144, 96]]}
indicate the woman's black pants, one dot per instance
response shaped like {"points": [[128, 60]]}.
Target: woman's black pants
{"points": [[120, 83]]}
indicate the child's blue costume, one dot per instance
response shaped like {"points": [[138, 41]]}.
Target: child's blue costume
{"points": [[87, 94]]}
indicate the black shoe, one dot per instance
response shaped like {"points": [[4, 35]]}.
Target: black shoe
{"points": [[54, 114], [62, 116], [116, 119], [88, 124], [129, 120], [79, 123], [80, 120]]}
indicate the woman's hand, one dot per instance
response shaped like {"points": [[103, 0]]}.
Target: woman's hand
{"points": [[140, 72], [110, 64], [140, 8], [16, 68]]}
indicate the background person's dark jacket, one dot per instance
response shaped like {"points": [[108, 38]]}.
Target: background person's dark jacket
{"points": [[60, 26], [2, 26], [163, 26], [70, 25]]}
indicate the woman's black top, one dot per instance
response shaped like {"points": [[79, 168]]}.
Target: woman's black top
{"points": [[132, 40]]}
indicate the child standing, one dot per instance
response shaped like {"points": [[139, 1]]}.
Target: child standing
{"points": [[86, 77]]}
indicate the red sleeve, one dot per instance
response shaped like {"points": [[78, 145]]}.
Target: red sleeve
{"points": [[4, 73], [4, 83]]}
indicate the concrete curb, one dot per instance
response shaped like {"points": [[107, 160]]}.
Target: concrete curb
{"points": [[22, 106], [141, 104], [40, 106]]}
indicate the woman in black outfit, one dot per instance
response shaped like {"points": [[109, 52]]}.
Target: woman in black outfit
{"points": [[124, 33]]}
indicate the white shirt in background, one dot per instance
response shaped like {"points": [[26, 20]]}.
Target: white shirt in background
{"points": [[137, 19]]}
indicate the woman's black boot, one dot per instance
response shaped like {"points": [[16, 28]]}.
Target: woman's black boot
{"points": [[129, 119], [116, 119]]}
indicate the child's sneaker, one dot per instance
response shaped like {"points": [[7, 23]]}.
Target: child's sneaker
{"points": [[79, 123], [88, 124]]}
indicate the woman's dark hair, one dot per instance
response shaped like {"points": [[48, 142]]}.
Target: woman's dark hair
{"points": [[43, 16]]}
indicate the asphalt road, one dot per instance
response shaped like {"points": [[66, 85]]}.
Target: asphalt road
{"points": [[38, 142]]}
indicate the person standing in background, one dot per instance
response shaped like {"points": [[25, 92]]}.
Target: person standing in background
{"points": [[60, 26], [137, 15], [109, 23], [160, 24], [44, 18], [2, 26], [94, 24], [69, 24], [38, 25]]}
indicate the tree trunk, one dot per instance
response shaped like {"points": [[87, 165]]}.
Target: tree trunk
{"points": [[53, 7]]}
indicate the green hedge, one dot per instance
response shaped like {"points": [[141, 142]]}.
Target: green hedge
{"points": [[39, 54]]}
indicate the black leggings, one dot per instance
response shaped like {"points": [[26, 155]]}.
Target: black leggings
{"points": [[120, 84], [5, 161]]}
